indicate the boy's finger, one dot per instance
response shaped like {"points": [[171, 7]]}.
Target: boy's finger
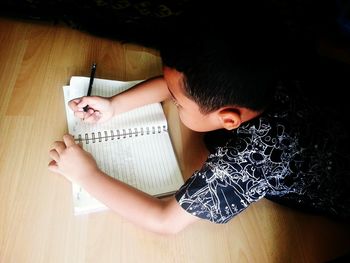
{"points": [[79, 114], [90, 119], [54, 155], [59, 146], [77, 100], [73, 103], [68, 140], [53, 166], [85, 101], [88, 114], [97, 116], [94, 117]]}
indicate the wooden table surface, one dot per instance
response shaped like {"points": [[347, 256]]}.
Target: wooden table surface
{"points": [[36, 217]]}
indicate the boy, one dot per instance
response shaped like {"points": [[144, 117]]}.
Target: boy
{"points": [[264, 137]]}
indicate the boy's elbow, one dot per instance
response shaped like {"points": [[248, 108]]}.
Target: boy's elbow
{"points": [[171, 230], [172, 219], [166, 227]]}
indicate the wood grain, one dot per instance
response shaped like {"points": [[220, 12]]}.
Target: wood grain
{"points": [[36, 217]]}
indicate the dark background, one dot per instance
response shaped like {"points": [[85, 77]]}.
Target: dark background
{"points": [[316, 34]]}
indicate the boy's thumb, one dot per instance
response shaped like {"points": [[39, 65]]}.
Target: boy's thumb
{"points": [[83, 102]]}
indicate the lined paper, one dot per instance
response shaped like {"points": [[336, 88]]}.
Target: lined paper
{"points": [[149, 116], [144, 160]]}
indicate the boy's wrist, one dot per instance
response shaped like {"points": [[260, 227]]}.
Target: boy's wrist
{"points": [[88, 177], [115, 104]]}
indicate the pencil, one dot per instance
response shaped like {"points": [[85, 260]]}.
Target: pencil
{"points": [[92, 76]]}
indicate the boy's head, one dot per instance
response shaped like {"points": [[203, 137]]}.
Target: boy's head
{"points": [[232, 69], [217, 74], [231, 62], [191, 114]]}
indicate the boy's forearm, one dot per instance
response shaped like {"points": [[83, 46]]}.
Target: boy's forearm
{"points": [[132, 204], [147, 92]]}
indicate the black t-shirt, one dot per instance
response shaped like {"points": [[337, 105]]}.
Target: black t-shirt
{"points": [[293, 153]]}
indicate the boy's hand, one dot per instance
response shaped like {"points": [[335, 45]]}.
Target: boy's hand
{"points": [[70, 160], [100, 109]]}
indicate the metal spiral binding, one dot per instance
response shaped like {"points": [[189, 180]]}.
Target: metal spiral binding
{"points": [[120, 134]]}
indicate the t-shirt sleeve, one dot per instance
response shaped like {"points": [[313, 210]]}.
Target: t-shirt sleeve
{"points": [[225, 186]]}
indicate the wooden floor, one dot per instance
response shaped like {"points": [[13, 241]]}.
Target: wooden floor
{"points": [[36, 219]]}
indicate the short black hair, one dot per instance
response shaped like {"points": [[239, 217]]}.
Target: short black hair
{"points": [[234, 62]]}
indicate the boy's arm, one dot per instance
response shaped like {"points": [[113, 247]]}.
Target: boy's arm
{"points": [[147, 92], [102, 109], [157, 215], [164, 216]]}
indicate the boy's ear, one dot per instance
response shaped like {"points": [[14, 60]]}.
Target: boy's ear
{"points": [[230, 118]]}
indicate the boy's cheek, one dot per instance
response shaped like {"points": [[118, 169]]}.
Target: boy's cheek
{"points": [[191, 123], [185, 121], [198, 123]]}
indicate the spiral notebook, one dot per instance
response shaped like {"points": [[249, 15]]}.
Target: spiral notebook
{"points": [[134, 147]]}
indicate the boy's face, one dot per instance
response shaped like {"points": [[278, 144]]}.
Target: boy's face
{"points": [[189, 112]]}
